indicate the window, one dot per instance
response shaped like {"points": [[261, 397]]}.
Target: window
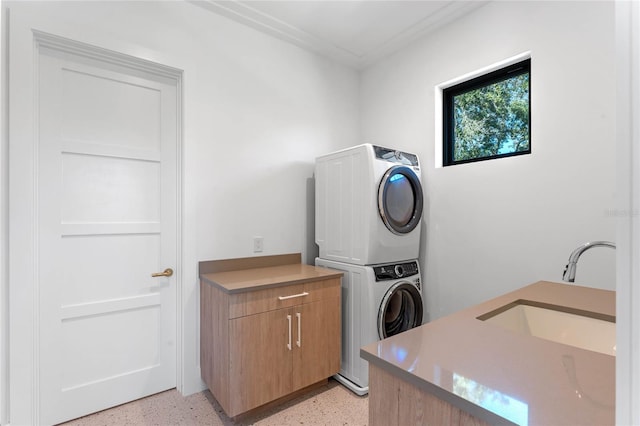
{"points": [[489, 116]]}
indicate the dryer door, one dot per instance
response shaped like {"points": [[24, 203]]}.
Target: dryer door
{"points": [[400, 199], [400, 310]]}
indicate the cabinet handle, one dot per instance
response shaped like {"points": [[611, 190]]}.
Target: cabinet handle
{"points": [[289, 321], [293, 296], [299, 315]]}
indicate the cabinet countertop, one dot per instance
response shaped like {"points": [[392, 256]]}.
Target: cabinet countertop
{"points": [[489, 371], [240, 281]]}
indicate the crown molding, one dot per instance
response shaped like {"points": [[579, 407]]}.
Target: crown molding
{"points": [[244, 14]]}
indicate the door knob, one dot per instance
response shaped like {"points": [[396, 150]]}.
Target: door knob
{"points": [[166, 273]]}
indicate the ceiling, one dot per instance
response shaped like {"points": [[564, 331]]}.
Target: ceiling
{"points": [[354, 32]]}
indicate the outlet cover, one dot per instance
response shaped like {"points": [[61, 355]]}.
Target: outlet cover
{"points": [[258, 244]]}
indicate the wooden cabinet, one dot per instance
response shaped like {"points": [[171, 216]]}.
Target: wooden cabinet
{"points": [[275, 353], [412, 405], [318, 355], [261, 344], [260, 365]]}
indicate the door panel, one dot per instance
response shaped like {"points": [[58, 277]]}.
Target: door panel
{"points": [[318, 355], [107, 197], [133, 123], [125, 275], [104, 354], [260, 359], [99, 188]]}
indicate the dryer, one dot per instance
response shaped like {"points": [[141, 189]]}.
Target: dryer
{"points": [[368, 205], [378, 301]]}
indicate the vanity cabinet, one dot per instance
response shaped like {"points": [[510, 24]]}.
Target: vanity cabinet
{"points": [[268, 332], [462, 371]]}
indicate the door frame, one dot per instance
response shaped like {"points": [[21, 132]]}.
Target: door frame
{"points": [[23, 284], [627, 25]]}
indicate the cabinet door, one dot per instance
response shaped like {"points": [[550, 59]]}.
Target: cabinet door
{"points": [[317, 330], [260, 359]]}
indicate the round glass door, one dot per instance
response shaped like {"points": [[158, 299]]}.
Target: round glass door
{"points": [[400, 200], [400, 310]]}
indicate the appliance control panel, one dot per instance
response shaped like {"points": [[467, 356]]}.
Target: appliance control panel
{"points": [[398, 157], [395, 270]]}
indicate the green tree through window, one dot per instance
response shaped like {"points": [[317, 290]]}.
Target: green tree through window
{"points": [[489, 116]]}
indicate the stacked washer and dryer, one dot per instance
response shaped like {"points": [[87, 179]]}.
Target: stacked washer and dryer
{"points": [[368, 213]]}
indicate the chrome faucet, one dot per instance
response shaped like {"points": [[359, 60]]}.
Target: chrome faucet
{"points": [[569, 274]]}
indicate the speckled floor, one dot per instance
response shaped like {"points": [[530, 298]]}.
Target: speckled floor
{"points": [[331, 404]]}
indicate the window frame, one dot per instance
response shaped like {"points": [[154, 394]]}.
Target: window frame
{"points": [[448, 93]]}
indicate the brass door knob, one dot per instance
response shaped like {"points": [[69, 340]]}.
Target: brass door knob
{"points": [[166, 273]]}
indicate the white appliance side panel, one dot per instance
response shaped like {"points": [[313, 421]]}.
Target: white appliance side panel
{"points": [[351, 311], [338, 209], [359, 217], [320, 176], [339, 232], [359, 313], [354, 318]]}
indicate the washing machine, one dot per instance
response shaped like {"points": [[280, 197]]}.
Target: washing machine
{"points": [[378, 301], [368, 205]]}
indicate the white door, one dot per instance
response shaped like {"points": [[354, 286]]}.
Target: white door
{"points": [[107, 220]]}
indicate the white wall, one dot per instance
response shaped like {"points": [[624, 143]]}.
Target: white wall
{"points": [[493, 226], [257, 111]]}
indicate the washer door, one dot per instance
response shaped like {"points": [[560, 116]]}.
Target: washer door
{"points": [[400, 199], [400, 310]]}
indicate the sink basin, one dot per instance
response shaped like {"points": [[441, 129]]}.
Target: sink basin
{"points": [[582, 329]]}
